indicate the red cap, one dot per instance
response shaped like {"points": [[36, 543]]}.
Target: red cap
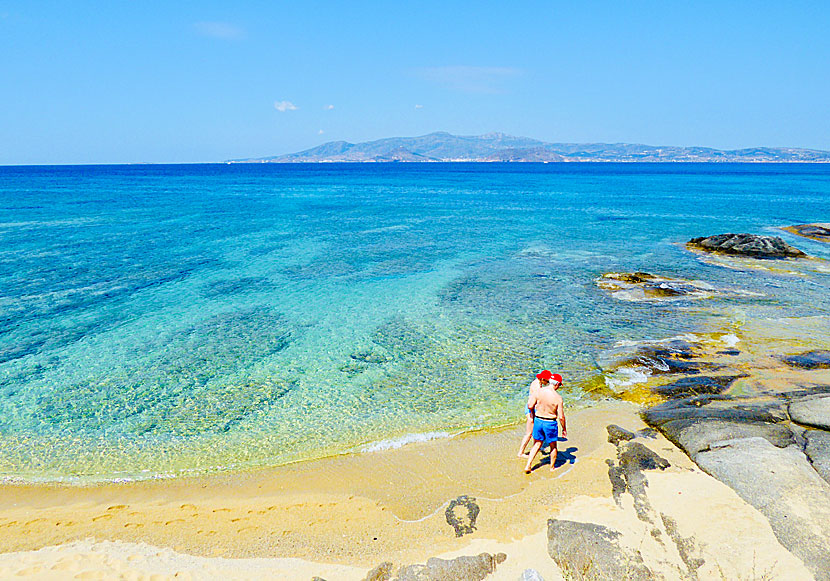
{"points": [[547, 375]]}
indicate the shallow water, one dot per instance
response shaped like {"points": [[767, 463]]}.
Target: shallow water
{"points": [[163, 320]]}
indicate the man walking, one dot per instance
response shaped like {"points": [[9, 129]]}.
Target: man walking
{"points": [[547, 409]]}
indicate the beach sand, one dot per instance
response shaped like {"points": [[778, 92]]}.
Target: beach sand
{"points": [[340, 517]]}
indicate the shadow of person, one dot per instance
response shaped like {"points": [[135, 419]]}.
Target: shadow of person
{"points": [[566, 456]]}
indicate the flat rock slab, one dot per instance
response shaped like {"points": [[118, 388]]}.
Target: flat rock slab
{"points": [[592, 551], [616, 434], [704, 384], [809, 360], [818, 451], [751, 245], [811, 411], [785, 488], [695, 436]]}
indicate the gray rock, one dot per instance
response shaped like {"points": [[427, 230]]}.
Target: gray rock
{"points": [[695, 435], [752, 245], [466, 568], [531, 575], [703, 384], [782, 485], [818, 451], [714, 407], [811, 411], [617, 434], [818, 359], [586, 551]]}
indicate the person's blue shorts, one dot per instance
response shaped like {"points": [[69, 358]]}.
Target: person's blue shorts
{"points": [[546, 431]]}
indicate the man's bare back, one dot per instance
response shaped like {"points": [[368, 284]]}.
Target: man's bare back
{"points": [[547, 403]]}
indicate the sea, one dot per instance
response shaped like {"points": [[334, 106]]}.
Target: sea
{"points": [[159, 321]]}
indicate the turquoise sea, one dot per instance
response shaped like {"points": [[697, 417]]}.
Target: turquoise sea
{"points": [[169, 320]]}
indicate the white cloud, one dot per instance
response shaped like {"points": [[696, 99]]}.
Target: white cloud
{"points": [[320, 132], [471, 79], [283, 106], [419, 106], [328, 107], [223, 30]]}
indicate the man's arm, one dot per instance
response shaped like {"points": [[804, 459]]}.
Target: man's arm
{"points": [[531, 404], [561, 418]]}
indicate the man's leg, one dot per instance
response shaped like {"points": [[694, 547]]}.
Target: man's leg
{"points": [[553, 452], [527, 436], [533, 451]]}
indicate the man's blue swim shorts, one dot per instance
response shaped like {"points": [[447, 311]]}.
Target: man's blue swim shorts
{"points": [[545, 430]]}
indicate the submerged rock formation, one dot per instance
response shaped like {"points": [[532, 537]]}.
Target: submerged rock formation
{"points": [[751, 245], [820, 232]]}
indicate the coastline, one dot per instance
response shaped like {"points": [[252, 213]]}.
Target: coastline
{"points": [[341, 517]]}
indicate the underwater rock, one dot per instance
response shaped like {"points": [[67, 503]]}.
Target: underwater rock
{"points": [[820, 232], [811, 411], [698, 385], [592, 551], [642, 286], [465, 568], [751, 245], [810, 360]]}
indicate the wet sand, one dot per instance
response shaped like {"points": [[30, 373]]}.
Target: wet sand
{"points": [[338, 518]]}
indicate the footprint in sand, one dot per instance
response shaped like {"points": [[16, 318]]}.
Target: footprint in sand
{"points": [[175, 520], [29, 571], [188, 507], [117, 507], [101, 517], [66, 564], [221, 510]]}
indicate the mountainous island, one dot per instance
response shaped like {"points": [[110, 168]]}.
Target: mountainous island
{"points": [[498, 147]]}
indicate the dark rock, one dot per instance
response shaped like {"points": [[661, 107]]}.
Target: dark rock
{"points": [[466, 568], [617, 434], [809, 360], [687, 386], [820, 232], [650, 433], [591, 551], [752, 245], [818, 451], [382, 572], [635, 456], [617, 479], [696, 435], [730, 352], [782, 485], [461, 515], [811, 411], [713, 407]]}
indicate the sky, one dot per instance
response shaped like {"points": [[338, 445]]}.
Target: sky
{"points": [[129, 82]]}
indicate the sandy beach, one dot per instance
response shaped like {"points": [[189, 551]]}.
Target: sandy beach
{"points": [[339, 518]]}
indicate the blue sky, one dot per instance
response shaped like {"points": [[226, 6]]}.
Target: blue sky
{"points": [[117, 81]]}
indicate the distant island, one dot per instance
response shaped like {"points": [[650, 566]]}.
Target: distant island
{"points": [[498, 147]]}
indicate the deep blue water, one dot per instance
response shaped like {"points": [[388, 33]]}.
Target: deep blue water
{"points": [[168, 319]]}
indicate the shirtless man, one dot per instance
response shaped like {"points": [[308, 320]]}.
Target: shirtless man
{"points": [[541, 379], [546, 407]]}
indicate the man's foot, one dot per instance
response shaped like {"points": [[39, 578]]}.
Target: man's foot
{"points": [[527, 470], [524, 454]]}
